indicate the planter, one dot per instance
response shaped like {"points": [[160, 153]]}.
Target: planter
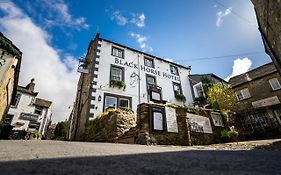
{"points": [[117, 83]]}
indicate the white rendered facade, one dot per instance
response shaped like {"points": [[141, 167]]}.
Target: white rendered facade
{"points": [[26, 114], [112, 56]]}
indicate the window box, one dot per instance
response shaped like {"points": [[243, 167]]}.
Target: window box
{"points": [[117, 83], [180, 97]]}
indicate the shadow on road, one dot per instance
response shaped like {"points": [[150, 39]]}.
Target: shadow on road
{"points": [[274, 146], [182, 162]]}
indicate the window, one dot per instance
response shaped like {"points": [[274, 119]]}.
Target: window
{"points": [[150, 80], [110, 102], [117, 52], [243, 94], [198, 90], [116, 73], [123, 103], [115, 101], [149, 62], [38, 110], [274, 83], [16, 101], [174, 70], [177, 88]]}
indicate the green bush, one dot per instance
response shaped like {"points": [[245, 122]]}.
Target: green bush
{"points": [[233, 135], [180, 97], [225, 134], [117, 83]]}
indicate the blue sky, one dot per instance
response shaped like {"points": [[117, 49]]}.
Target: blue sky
{"points": [[182, 31]]}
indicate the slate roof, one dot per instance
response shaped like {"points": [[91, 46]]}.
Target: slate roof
{"points": [[42, 103], [259, 72], [196, 78], [27, 91]]}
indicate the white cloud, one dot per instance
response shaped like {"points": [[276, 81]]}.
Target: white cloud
{"points": [[240, 66], [55, 78], [221, 15], [119, 18], [58, 14], [142, 41], [138, 20]]}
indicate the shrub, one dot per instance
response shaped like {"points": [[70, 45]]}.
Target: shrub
{"points": [[225, 135], [180, 97], [117, 83]]}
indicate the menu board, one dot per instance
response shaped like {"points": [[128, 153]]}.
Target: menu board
{"points": [[171, 118], [158, 121]]}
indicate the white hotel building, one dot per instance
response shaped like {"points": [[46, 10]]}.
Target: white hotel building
{"points": [[116, 76]]}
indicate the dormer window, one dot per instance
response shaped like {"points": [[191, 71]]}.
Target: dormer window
{"points": [[117, 52], [174, 70], [149, 62]]}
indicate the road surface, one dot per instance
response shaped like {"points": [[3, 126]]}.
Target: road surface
{"points": [[58, 157]]}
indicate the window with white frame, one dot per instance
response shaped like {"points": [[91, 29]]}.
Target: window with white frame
{"points": [[116, 101], [174, 70], [274, 83], [149, 62], [116, 73], [117, 52], [198, 90], [243, 94]]}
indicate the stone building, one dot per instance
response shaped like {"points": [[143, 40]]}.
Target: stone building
{"points": [[257, 88], [269, 20], [10, 61], [258, 110], [29, 113], [197, 81], [117, 76]]}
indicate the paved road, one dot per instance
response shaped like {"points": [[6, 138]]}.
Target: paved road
{"points": [[57, 157]]}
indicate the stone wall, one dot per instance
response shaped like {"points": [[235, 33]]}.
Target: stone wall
{"points": [[184, 136], [269, 19], [110, 126], [259, 89]]}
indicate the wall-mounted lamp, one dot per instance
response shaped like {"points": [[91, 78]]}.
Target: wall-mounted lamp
{"points": [[99, 98]]}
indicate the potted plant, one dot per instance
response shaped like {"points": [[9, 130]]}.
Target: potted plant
{"points": [[117, 83], [180, 97]]}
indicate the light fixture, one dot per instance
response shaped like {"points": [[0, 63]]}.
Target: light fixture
{"points": [[99, 98]]}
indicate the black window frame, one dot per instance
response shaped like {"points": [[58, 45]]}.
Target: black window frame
{"points": [[178, 84], [113, 47], [15, 102], [118, 98], [146, 77], [151, 114], [176, 69], [36, 109], [150, 59], [118, 67]]}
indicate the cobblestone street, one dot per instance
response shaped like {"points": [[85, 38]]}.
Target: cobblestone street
{"points": [[58, 157]]}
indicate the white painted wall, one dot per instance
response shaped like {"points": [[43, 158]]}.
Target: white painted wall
{"points": [[105, 61], [25, 105]]}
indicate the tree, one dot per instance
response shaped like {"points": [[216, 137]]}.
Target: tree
{"points": [[222, 97], [61, 130]]}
